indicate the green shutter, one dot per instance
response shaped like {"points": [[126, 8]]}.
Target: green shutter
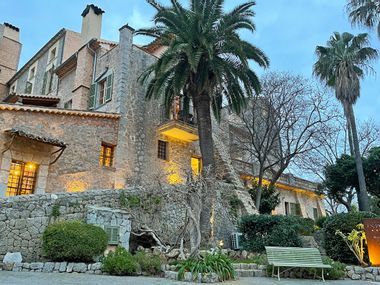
{"points": [[112, 234], [44, 82], [28, 87], [91, 99], [109, 87], [50, 79]]}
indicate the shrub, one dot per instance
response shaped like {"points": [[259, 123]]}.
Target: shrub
{"points": [[211, 263], [265, 230], [73, 241], [148, 263], [335, 246], [120, 262], [320, 221]]}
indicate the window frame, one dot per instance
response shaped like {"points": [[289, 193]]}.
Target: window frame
{"points": [[68, 104], [103, 158], [110, 234], [163, 150], [24, 180]]}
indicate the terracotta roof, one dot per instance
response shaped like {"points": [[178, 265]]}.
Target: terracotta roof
{"points": [[153, 46], [36, 136], [23, 108]]}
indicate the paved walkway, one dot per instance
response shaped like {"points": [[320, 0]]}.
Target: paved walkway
{"points": [[28, 278]]}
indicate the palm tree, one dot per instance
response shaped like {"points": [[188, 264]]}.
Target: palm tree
{"points": [[205, 60], [341, 65], [365, 12]]}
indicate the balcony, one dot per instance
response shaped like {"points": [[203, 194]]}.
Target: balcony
{"points": [[174, 125]]}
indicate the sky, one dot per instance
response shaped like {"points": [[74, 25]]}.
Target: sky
{"points": [[286, 30]]}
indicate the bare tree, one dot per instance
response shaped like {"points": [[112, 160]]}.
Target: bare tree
{"points": [[335, 144], [285, 121]]}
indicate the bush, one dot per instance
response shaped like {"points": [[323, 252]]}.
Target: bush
{"points": [[265, 230], [120, 262], [320, 221], [148, 263], [335, 246], [211, 263], [73, 241]]}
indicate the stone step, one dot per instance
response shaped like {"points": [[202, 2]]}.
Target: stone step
{"points": [[250, 273]]}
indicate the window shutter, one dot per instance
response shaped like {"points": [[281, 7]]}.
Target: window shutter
{"points": [[44, 82], [91, 99], [109, 87], [28, 87], [50, 77]]}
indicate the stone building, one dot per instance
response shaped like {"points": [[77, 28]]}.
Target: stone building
{"points": [[74, 118]]}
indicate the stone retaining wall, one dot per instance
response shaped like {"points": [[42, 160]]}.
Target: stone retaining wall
{"points": [[24, 218], [57, 267], [360, 273]]}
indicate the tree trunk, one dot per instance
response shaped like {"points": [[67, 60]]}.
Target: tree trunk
{"points": [[362, 193], [349, 130], [202, 107], [259, 189]]}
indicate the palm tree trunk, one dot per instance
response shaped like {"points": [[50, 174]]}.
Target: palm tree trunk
{"points": [[362, 193], [349, 130], [202, 107]]}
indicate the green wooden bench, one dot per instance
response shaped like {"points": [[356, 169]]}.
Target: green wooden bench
{"points": [[294, 257]]}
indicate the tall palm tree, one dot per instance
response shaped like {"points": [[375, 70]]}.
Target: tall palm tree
{"points": [[365, 12], [341, 65], [205, 60]]}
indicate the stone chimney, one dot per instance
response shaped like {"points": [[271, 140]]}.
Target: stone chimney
{"points": [[91, 23], [10, 50]]}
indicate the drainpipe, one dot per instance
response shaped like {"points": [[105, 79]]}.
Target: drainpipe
{"points": [[94, 63]]}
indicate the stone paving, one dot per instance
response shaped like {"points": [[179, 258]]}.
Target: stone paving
{"points": [[28, 278]]}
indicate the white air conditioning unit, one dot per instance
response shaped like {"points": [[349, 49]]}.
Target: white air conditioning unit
{"points": [[235, 240]]}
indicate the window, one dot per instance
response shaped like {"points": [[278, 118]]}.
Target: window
{"points": [[68, 104], [163, 150], [292, 209], [315, 213], [12, 90], [22, 178], [102, 88], [32, 73], [196, 165], [47, 81], [112, 234], [28, 87], [106, 155], [53, 54]]}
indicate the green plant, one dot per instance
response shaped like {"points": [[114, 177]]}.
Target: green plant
{"points": [[55, 211], [270, 198], [320, 221], [133, 201], [263, 230], [235, 204], [356, 241], [120, 262], [335, 246], [123, 200], [148, 263], [211, 263], [73, 241], [260, 259]]}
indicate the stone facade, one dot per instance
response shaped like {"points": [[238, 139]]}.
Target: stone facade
{"points": [[94, 80]]}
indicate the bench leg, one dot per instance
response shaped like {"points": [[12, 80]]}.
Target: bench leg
{"points": [[278, 273], [272, 271], [323, 276]]}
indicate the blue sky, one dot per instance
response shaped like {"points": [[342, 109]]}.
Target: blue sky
{"points": [[287, 30]]}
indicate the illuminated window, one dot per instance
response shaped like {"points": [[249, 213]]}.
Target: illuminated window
{"points": [[22, 178], [163, 150], [196, 165], [106, 155]]}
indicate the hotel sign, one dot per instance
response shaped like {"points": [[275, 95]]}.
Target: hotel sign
{"points": [[372, 231]]}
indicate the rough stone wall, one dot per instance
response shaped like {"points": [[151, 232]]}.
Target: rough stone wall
{"points": [[24, 218], [78, 168], [66, 86]]}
